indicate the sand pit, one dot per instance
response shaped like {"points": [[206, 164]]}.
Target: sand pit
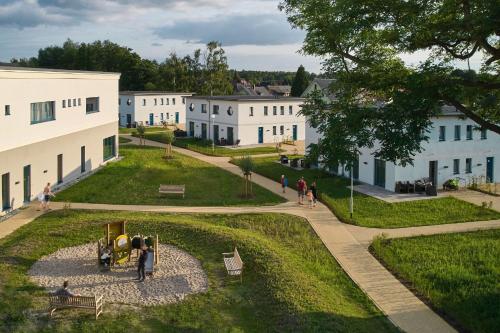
{"points": [[177, 275]]}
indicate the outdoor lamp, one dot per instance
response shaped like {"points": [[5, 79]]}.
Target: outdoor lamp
{"points": [[230, 111], [191, 107]]}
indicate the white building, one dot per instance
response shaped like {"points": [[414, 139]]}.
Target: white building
{"points": [[55, 125], [457, 148], [152, 108], [245, 120]]}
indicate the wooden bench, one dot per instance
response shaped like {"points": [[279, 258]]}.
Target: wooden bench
{"points": [[233, 263], [83, 302], [172, 189]]}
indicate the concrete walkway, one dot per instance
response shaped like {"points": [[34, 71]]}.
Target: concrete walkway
{"points": [[477, 198], [347, 243]]}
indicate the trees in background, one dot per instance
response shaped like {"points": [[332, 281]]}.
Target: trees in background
{"points": [[300, 82], [381, 100]]}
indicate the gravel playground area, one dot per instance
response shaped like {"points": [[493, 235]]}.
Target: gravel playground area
{"points": [[177, 275]]}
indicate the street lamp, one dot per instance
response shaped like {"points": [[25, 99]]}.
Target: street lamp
{"points": [[351, 203], [212, 117]]}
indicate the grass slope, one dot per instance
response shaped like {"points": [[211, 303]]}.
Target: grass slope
{"points": [[291, 282], [371, 212], [205, 147], [136, 178], [124, 130], [458, 273]]}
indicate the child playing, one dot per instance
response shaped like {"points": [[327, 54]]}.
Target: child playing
{"points": [[310, 198]]}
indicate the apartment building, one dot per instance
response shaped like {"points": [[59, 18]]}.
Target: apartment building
{"points": [[152, 108], [245, 120], [55, 126]]}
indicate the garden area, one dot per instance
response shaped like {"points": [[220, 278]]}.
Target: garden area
{"points": [[125, 130], [136, 178], [457, 273], [369, 211], [290, 283]]}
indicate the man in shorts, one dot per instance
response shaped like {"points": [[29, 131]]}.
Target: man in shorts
{"points": [[301, 188]]}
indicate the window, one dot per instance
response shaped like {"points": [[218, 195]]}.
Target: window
{"points": [[161, 101], [469, 132], [203, 108], [442, 133], [143, 102], [274, 130], [456, 166], [156, 101], [108, 146], [275, 110], [167, 101], [42, 112], [79, 102], [251, 111], [216, 109], [119, 101], [74, 101], [468, 165], [64, 103], [69, 103], [290, 110], [282, 130], [282, 110], [161, 116], [92, 104], [173, 101], [484, 133], [183, 100], [458, 135], [7, 110], [266, 110]]}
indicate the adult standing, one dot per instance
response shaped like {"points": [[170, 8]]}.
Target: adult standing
{"points": [[314, 190], [301, 187], [47, 194], [142, 263], [284, 183]]}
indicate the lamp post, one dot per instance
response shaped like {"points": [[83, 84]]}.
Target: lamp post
{"points": [[212, 117], [351, 202]]}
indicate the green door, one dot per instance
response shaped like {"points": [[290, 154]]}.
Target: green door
{"points": [[5, 191], [216, 134], [379, 173], [230, 136], [204, 131], [295, 134], [27, 183]]}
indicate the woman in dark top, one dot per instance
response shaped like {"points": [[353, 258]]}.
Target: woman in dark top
{"points": [[314, 190]]}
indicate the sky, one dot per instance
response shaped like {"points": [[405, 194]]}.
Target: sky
{"points": [[254, 33]]}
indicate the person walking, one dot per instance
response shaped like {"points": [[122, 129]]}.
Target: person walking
{"points": [[284, 183], [142, 263], [309, 196], [301, 190], [314, 190], [47, 194]]}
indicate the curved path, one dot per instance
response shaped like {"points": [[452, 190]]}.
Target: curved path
{"points": [[347, 243]]}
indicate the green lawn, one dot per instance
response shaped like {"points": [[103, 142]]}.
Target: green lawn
{"points": [[205, 147], [136, 179], [123, 140], [371, 212], [458, 273], [124, 130], [291, 282]]}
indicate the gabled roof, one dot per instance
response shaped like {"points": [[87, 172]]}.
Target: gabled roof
{"points": [[248, 98], [153, 93]]}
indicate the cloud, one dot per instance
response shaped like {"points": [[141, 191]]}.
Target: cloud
{"points": [[234, 30], [23, 14], [156, 44]]}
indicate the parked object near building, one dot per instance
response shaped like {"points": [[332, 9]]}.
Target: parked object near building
{"points": [[457, 149], [55, 126], [245, 120], [152, 108]]}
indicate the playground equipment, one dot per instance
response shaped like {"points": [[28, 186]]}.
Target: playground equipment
{"points": [[115, 248]]}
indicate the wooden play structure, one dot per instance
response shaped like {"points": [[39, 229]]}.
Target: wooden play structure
{"points": [[116, 247]]}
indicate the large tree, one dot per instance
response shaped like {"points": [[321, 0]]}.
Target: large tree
{"points": [[215, 79], [381, 100], [300, 82]]}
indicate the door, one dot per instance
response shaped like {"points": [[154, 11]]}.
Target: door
{"points": [[177, 117], [295, 134], [355, 169], [261, 134], [433, 172], [151, 119], [191, 129], [204, 131], [129, 120], [379, 173], [82, 159], [27, 183], [230, 136], [5, 191], [216, 134], [59, 168], [490, 166]]}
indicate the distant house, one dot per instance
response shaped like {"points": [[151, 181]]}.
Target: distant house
{"points": [[280, 90], [457, 147], [152, 108], [245, 119]]}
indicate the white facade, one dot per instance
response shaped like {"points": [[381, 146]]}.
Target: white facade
{"points": [[464, 152], [54, 126], [151, 108], [245, 120]]}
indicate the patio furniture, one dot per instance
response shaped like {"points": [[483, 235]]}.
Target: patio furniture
{"points": [[431, 190], [233, 263], [223, 142], [410, 187], [83, 302], [237, 143], [301, 163], [294, 163], [283, 159]]}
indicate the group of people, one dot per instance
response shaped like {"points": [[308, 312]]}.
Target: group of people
{"points": [[303, 191]]}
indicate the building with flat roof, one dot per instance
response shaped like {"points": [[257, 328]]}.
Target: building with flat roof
{"points": [[55, 126], [245, 120], [152, 108]]}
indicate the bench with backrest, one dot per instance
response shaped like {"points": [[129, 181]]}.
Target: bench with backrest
{"points": [[233, 263], [83, 302], [172, 189]]}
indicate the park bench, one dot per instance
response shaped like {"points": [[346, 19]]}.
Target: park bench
{"points": [[172, 189], [83, 302], [233, 263]]}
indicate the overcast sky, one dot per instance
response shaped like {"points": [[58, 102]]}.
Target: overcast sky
{"points": [[254, 33]]}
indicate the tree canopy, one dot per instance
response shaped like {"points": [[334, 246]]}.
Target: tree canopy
{"points": [[300, 82], [380, 99]]}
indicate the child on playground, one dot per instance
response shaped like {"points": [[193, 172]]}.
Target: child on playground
{"points": [[310, 198]]}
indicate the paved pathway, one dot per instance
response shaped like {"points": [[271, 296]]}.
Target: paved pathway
{"points": [[347, 243], [476, 198]]}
